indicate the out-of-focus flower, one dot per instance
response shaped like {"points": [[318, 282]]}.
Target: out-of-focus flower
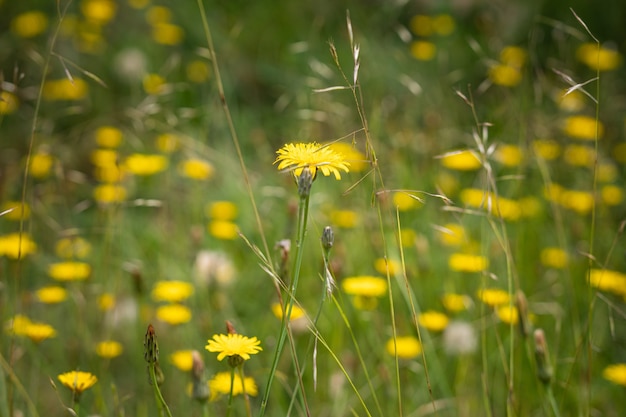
{"points": [[29, 24], [38, 332], [579, 155], [452, 234], [598, 57], [346, 219], [405, 347], [65, 90], [8, 102], [463, 262], [99, 12], [167, 33], [365, 289], [455, 302], [616, 373], [108, 136], [222, 210], [74, 247], [69, 271], [381, 265], [509, 155], [197, 169], [106, 302], [158, 14], [505, 75], [608, 280], [547, 149], [421, 25], [182, 359], [607, 172], [109, 193], [131, 65], [78, 381], [583, 127], [405, 201], [153, 84], [358, 161], [197, 71], [17, 325], [513, 56], [16, 245], [297, 156], [579, 201], [109, 349], [296, 312], [18, 210], [423, 50], [574, 101], [443, 24], [466, 160], [173, 314], [168, 142], [459, 338], [612, 195], [223, 229], [434, 321], [145, 164], [493, 296], [52, 294], [223, 382], [507, 314], [498, 206], [553, 257], [172, 291]]}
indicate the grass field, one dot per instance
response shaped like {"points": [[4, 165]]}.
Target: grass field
{"points": [[312, 209]]}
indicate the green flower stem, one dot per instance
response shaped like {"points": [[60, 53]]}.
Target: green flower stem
{"points": [[157, 392], [303, 214], [230, 397], [243, 390]]}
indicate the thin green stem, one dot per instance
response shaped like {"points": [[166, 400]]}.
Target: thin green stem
{"points": [[243, 390], [230, 396], [162, 405]]}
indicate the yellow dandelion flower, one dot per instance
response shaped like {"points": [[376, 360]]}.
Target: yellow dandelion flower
{"points": [[357, 160], [78, 381], [109, 193], [158, 14], [18, 325], [507, 314], [598, 58], [296, 312], [443, 24], [52, 294], [182, 359], [18, 210], [583, 127], [29, 24], [547, 149], [16, 245], [513, 56], [196, 169], [408, 237], [222, 383], [509, 155], [38, 332], [8, 102], [173, 314], [40, 165], [423, 50], [222, 210], [608, 280], [612, 195], [198, 71], [466, 160], [493, 296], [530, 206], [69, 271], [104, 157], [447, 183], [381, 265], [433, 321], [421, 25], [452, 234], [153, 84], [346, 219], [364, 285], [167, 33], [106, 302], [498, 206], [74, 247], [229, 345], [581, 202], [553, 257], [65, 90], [172, 291], [109, 349], [616, 373], [167, 142], [297, 156], [505, 75], [607, 172], [579, 155], [463, 262], [455, 302], [145, 164], [223, 229], [98, 11], [405, 347], [553, 192], [405, 201], [108, 136]]}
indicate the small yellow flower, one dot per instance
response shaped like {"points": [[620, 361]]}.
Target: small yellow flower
{"points": [[434, 321], [296, 312], [106, 302], [38, 332], [51, 294], [583, 127], [553, 257], [381, 265], [69, 271], [167, 34], [197, 169], [358, 161], [229, 345], [173, 314], [167, 143], [405, 201], [222, 210], [346, 219], [74, 247], [109, 193], [598, 58], [508, 314], [153, 84], [220, 385], [421, 25], [608, 280], [513, 56], [8, 102], [16, 245], [452, 234], [408, 237], [223, 230], [547, 149], [423, 50], [616, 373], [145, 164], [493, 296], [18, 210], [18, 325], [463, 262], [607, 172], [40, 165], [182, 359], [406, 347], [466, 160], [579, 155], [104, 157], [158, 14], [365, 289], [198, 71], [505, 75], [65, 90], [509, 155], [78, 381], [98, 11], [455, 302], [498, 206], [612, 195], [29, 24], [443, 24], [108, 136], [297, 156], [109, 349], [172, 291], [579, 201]]}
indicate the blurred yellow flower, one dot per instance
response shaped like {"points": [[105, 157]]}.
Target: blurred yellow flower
{"points": [[296, 312], [498, 206], [8, 102], [296, 156], [220, 385], [153, 84], [455, 302], [405, 201], [607, 172], [509, 155], [173, 314], [64, 89], [167, 142], [408, 237], [447, 183], [513, 56], [233, 344], [182, 359], [553, 257], [365, 289], [18, 210], [69, 271], [579, 155], [52, 294], [421, 25], [104, 157], [583, 127], [17, 325], [198, 71], [443, 24], [423, 50], [505, 75], [109, 349], [598, 57], [138, 4], [357, 159], [530, 206], [452, 234], [612, 195], [78, 381], [145, 164], [40, 165], [406, 347], [98, 11], [493, 296], [167, 33], [574, 101], [109, 193], [29, 24], [72, 247], [434, 321], [38, 332], [16, 245], [466, 160], [106, 302], [547, 149], [608, 280], [553, 192], [381, 265], [347, 219], [463, 262], [158, 14], [507, 314], [172, 291], [222, 210], [223, 229], [615, 373], [579, 201], [108, 136]]}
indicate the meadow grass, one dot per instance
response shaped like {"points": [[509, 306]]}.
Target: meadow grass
{"points": [[200, 216]]}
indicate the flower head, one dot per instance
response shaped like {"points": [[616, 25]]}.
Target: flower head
{"points": [[52, 294], [109, 349], [172, 291], [78, 381], [182, 359], [615, 373], [406, 347], [220, 385], [297, 156], [233, 344], [365, 290], [174, 314], [69, 271], [433, 320], [38, 332]]}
